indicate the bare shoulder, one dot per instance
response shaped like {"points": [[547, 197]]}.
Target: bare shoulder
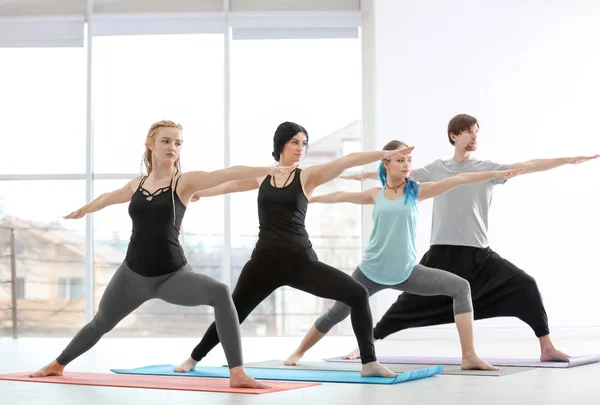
{"points": [[374, 192], [259, 180], [185, 176], [133, 183], [309, 171], [178, 180], [426, 185]]}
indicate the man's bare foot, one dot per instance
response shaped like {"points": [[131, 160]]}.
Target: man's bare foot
{"points": [[354, 354], [52, 369], [475, 363], [374, 369], [239, 379], [186, 366], [553, 354], [293, 360]]}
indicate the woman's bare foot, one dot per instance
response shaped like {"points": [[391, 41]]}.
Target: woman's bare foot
{"points": [[374, 369], [553, 354], [354, 354], [52, 369], [293, 360], [239, 379], [186, 366], [475, 363]]}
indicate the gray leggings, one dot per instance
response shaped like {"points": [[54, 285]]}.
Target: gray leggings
{"points": [[128, 290], [422, 281]]}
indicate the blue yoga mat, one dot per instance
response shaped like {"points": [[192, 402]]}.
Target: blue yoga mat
{"points": [[287, 375]]}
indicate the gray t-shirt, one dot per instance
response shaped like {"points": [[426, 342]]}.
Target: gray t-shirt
{"points": [[460, 216]]}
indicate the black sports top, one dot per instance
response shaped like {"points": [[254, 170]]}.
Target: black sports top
{"points": [[154, 248], [281, 214]]}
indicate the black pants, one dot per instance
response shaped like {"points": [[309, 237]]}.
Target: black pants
{"points": [[498, 287], [269, 269]]}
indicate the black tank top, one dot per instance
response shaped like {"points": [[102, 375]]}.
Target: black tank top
{"points": [[154, 248], [281, 214]]}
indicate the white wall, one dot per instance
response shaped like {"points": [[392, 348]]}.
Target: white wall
{"points": [[530, 72]]}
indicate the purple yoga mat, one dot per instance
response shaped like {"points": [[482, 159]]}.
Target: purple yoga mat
{"points": [[507, 362]]}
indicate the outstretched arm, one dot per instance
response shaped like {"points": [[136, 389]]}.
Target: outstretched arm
{"points": [[237, 186], [317, 175], [541, 165], [361, 176], [433, 189], [421, 174], [119, 196], [363, 197], [192, 182]]}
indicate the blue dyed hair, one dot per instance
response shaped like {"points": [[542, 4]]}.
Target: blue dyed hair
{"points": [[411, 188]]}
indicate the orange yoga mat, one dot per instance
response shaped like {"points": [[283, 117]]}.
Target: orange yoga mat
{"points": [[156, 382]]}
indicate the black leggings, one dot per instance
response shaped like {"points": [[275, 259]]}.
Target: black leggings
{"points": [[498, 287], [270, 269]]}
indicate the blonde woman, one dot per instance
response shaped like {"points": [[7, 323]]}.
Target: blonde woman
{"points": [[155, 265]]}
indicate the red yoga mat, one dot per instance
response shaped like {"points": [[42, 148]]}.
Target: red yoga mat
{"points": [[156, 382]]}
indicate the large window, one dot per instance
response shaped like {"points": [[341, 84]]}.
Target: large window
{"points": [[42, 99], [139, 80], [45, 249], [43, 104], [77, 123], [316, 83], [174, 77]]}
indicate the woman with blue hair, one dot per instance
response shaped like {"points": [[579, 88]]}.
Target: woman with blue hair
{"points": [[390, 259]]}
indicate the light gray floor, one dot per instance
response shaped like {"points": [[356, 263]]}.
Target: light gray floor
{"points": [[396, 368], [539, 386]]}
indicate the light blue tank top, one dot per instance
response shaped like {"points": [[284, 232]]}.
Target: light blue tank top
{"points": [[391, 253]]}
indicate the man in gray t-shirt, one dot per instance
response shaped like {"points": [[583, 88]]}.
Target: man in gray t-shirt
{"points": [[460, 217], [459, 245]]}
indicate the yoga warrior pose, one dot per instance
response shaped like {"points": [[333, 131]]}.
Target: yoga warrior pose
{"points": [[283, 254], [155, 265], [459, 244], [390, 259]]}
